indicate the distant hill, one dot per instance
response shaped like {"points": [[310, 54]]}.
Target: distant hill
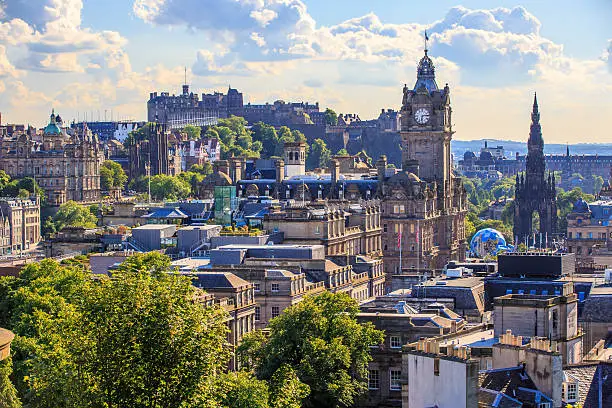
{"points": [[459, 147]]}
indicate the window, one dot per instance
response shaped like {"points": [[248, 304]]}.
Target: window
{"points": [[257, 287], [544, 405], [436, 366], [384, 227], [373, 379], [395, 341], [395, 377], [572, 392], [257, 313], [275, 311], [275, 287], [317, 230]]}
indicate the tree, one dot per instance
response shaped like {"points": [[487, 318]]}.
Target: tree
{"points": [[470, 229], [165, 187], [112, 176], [8, 393], [565, 203], [242, 390], [71, 214], [193, 132], [286, 389], [319, 155], [266, 134], [156, 345], [331, 118], [322, 341], [140, 339], [342, 152], [204, 169]]}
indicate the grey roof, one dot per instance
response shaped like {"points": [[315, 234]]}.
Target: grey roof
{"points": [[598, 307], [513, 382], [587, 376], [218, 280]]}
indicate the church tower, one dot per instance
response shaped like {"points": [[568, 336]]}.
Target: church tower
{"points": [[535, 191]]}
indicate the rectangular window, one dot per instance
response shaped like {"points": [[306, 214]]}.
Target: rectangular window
{"points": [[436, 366], [544, 405], [257, 313], [395, 341], [385, 228], [572, 392], [395, 377], [275, 287], [257, 287], [275, 311], [373, 379]]}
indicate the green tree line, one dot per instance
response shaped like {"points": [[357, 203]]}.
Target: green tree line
{"points": [[143, 338]]}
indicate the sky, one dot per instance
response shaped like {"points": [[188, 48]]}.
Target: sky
{"points": [[102, 58]]}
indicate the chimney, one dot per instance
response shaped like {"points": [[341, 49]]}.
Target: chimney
{"points": [[412, 166], [335, 171], [381, 167], [280, 170], [237, 169]]}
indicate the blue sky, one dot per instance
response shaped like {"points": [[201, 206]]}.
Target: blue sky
{"points": [[353, 55]]}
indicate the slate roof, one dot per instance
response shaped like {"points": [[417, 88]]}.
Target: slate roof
{"points": [[514, 383], [169, 213], [218, 280], [490, 398], [587, 376], [598, 306]]}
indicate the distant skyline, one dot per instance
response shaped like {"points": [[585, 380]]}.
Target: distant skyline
{"points": [[351, 55]]}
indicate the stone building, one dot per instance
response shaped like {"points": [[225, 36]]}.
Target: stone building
{"points": [[534, 191], [589, 229], [425, 204], [155, 155], [236, 296], [552, 317], [65, 165], [20, 219], [343, 229], [275, 289]]}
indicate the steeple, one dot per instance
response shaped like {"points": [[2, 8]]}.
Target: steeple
{"points": [[426, 72], [567, 150]]}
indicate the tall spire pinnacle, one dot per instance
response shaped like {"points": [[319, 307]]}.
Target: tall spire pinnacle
{"points": [[535, 102], [426, 39]]}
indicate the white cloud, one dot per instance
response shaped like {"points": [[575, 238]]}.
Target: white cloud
{"points": [[608, 55]]}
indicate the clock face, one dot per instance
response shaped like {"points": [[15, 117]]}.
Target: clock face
{"points": [[421, 116]]}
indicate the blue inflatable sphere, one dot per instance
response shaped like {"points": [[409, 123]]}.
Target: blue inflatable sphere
{"points": [[487, 241]]}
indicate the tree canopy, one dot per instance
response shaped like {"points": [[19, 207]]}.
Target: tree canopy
{"points": [[331, 118], [112, 176], [138, 339], [322, 341], [193, 132], [319, 155], [72, 214]]}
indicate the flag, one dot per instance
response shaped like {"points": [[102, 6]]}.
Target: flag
{"points": [[399, 240]]}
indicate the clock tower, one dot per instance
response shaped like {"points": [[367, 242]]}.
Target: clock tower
{"points": [[426, 125], [424, 204]]}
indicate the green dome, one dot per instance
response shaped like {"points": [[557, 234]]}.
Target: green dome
{"points": [[52, 128]]}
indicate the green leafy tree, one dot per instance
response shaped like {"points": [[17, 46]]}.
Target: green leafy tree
{"points": [[112, 176], [266, 134], [71, 214], [470, 229], [164, 187], [8, 393], [155, 344], [242, 390], [204, 169], [319, 155], [286, 389], [140, 339], [193, 132], [342, 152], [331, 118], [322, 341]]}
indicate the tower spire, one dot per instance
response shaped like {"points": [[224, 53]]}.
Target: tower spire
{"points": [[426, 39]]}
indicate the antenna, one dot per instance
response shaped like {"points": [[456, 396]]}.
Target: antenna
{"points": [[185, 76]]}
